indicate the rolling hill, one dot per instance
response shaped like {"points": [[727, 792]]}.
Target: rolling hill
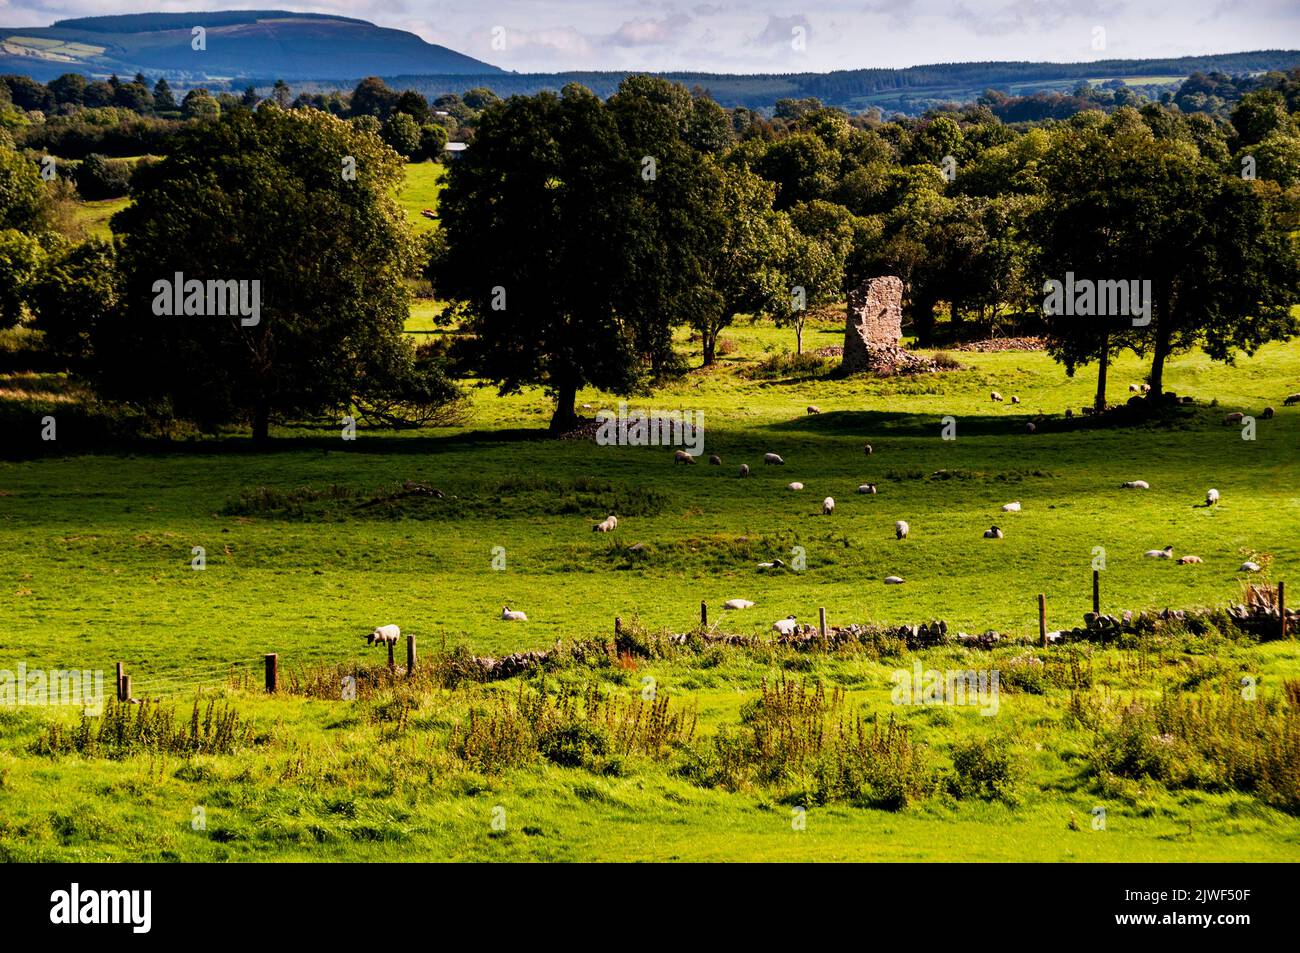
{"points": [[240, 44]]}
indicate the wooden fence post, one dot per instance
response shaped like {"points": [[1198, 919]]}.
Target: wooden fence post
{"points": [[618, 627], [392, 663], [126, 688], [821, 622], [1281, 606], [410, 655], [1042, 618], [272, 672], [120, 675], [704, 614], [1096, 592]]}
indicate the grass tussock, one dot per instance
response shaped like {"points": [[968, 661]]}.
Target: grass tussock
{"points": [[1204, 742], [125, 729], [574, 729]]}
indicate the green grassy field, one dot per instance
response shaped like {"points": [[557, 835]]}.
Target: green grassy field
{"points": [[97, 569]]}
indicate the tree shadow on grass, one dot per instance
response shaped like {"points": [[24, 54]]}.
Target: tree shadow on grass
{"points": [[866, 423]]}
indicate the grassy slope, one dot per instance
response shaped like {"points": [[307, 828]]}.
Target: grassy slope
{"points": [[96, 569]]}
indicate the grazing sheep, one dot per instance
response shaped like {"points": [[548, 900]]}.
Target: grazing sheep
{"points": [[1136, 485], [1268, 413], [1211, 497], [901, 529], [1234, 418], [1249, 566], [994, 395], [385, 633], [786, 626], [774, 459], [744, 469], [1015, 399], [510, 615], [794, 486], [867, 488], [993, 533], [893, 580], [1133, 388], [715, 460], [738, 604], [1146, 388], [814, 409], [867, 450], [828, 506], [1030, 428], [607, 525], [1011, 507], [774, 564], [1166, 553], [1188, 560], [1291, 399], [681, 456]]}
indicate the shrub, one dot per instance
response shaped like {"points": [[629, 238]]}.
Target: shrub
{"points": [[987, 770], [101, 178]]}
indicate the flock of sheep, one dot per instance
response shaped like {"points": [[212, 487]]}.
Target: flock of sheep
{"points": [[389, 634]]}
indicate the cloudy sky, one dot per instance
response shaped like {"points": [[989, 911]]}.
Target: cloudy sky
{"points": [[779, 35]]}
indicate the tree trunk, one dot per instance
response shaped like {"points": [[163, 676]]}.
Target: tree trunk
{"points": [[709, 339], [798, 337], [923, 321], [261, 422], [1103, 365], [565, 417], [1158, 364]]}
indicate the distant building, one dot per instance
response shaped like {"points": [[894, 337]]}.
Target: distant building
{"points": [[454, 149]]}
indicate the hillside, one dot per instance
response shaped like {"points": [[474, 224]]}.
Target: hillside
{"points": [[243, 44], [910, 90]]}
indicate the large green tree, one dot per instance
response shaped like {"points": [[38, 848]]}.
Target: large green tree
{"points": [[298, 201], [537, 239]]}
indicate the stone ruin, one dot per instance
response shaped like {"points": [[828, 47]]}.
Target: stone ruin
{"points": [[874, 328]]}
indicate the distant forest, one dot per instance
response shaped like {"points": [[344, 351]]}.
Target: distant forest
{"points": [[911, 91]]}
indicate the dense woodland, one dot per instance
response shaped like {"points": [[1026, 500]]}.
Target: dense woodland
{"points": [[578, 233]]}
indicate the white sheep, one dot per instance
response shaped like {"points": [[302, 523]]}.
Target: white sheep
{"points": [[893, 580], [994, 395], [993, 533], [510, 615], [1291, 399], [1166, 553], [1015, 399], [773, 458], [1249, 566], [1031, 427], [814, 409], [1268, 413], [606, 525], [828, 506], [1234, 418], [1211, 497], [385, 633], [715, 460], [744, 469], [1146, 388], [1133, 388], [795, 486], [1011, 507], [1188, 560], [738, 604], [901, 529], [867, 450], [867, 488], [786, 626], [1136, 485], [681, 456]]}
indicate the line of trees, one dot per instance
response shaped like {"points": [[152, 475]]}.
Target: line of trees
{"points": [[572, 265]]}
